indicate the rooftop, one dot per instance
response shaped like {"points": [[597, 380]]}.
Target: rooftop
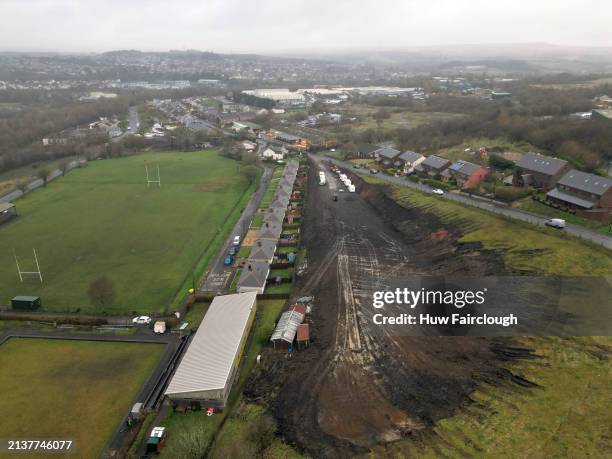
{"points": [[464, 167], [208, 361], [389, 153], [254, 274], [589, 183], [410, 156], [540, 163], [435, 162]]}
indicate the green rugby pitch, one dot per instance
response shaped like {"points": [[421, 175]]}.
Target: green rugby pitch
{"points": [[104, 220]]}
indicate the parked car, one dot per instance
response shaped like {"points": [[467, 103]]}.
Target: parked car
{"points": [[233, 251], [356, 166], [236, 240], [141, 320], [373, 171], [335, 197], [558, 223], [437, 191]]}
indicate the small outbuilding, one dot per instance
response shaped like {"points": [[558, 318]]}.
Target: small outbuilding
{"points": [[8, 211], [26, 303]]}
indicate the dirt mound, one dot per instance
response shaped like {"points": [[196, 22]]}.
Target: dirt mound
{"points": [[353, 388]]}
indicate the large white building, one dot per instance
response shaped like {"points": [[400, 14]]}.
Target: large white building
{"points": [[205, 375], [280, 96]]}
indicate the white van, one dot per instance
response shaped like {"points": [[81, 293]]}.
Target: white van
{"points": [[236, 240]]}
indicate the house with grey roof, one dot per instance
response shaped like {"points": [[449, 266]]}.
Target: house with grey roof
{"points": [[275, 215], [253, 277], [271, 230], [386, 156], [539, 171], [466, 174], [365, 150], [580, 190], [281, 192], [280, 202], [434, 165], [263, 250], [409, 160]]}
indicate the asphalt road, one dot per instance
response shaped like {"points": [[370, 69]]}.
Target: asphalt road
{"points": [[493, 206], [220, 276]]}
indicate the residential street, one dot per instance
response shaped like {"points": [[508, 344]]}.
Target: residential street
{"points": [[220, 276], [492, 206]]}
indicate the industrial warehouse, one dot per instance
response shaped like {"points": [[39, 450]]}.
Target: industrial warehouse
{"points": [[205, 375]]}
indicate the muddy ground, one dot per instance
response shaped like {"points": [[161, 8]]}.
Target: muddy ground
{"points": [[353, 388]]}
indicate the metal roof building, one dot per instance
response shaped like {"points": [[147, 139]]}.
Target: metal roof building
{"points": [[286, 328], [207, 370]]}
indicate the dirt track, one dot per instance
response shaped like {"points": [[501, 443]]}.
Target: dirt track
{"points": [[353, 388]]}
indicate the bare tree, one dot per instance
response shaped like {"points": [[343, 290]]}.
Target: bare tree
{"points": [[101, 292], [63, 166], [43, 174]]}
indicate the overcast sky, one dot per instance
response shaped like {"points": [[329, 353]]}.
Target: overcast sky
{"points": [[301, 25]]}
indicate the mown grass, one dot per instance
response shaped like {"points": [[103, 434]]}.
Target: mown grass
{"points": [[70, 389], [524, 247], [104, 220]]}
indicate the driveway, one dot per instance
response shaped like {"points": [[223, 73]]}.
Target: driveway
{"points": [[492, 206]]}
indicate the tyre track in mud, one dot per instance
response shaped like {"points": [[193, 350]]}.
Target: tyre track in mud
{"points": [[354, 388]]}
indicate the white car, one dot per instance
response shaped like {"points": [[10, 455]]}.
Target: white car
{"points": [[437, 191], [141, 320], [236, 240]]}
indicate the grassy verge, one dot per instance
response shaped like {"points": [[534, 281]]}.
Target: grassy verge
{"points": [[557, 254], [529, 205]]}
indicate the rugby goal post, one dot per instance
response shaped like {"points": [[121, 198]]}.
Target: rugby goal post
{"points": [[151, 179], [21, 273]]}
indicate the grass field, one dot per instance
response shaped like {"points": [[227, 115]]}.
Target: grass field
{"points": [[567, 416], [103, 220], [499, 146], [70, 389]]}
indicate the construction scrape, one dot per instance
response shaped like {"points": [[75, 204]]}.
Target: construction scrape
{"points": [[353, 389]]}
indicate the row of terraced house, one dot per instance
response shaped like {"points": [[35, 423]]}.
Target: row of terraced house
{"points": [[282, 211]]}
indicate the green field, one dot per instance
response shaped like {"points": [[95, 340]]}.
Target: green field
{"points": [[70, 389], [104, 221]]}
